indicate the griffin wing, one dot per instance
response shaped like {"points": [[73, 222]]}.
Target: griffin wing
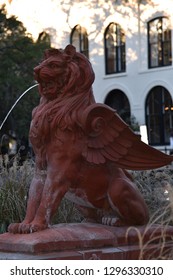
{"points": [[110, 138]]}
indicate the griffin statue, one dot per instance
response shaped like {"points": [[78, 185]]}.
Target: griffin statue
{"points": [[82, 150]]}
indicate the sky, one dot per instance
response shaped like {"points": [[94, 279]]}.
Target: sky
{"points": [[36, 15]]}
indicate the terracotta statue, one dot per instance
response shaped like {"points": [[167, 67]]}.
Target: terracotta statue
{"points": [[82, 150]]}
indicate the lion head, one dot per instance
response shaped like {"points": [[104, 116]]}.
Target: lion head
{"points": [[64, 72]]}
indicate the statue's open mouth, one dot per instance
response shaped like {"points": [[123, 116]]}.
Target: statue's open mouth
{"points": [[46, 86], [48, 89]]}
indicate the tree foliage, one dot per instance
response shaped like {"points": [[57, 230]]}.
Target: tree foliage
{"points": [[19, 54]]}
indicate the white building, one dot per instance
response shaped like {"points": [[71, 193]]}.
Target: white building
{"points": [[130, 45]]}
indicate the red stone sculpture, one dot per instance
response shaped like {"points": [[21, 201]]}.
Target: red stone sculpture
{"points": [[82, 150]]}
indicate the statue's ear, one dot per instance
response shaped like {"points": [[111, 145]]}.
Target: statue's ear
{"points": [[70, 50]]}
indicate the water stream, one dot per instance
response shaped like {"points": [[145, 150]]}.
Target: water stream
{"points": [[6, 117]]}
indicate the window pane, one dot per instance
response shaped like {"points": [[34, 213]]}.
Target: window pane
{"points": [[117, 100], [84, 42], [159, 42], [79, 39], [114, 49], [154, 55], [76, 40], [153, 34], [111, 54], [159, 116]]}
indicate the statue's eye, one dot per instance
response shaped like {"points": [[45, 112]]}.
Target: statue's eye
{"points": [[53, 66]]}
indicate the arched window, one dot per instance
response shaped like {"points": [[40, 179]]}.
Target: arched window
{"points": [[117, 100], [79, 39], [114, 40], [159, 115], [44, 37], [159, 42]]}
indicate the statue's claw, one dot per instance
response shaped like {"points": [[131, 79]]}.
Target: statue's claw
{"points": [[24, 228], [110, 221], [37, 227]]}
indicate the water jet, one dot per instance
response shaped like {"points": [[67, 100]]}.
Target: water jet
{"points": [[6, 117]]}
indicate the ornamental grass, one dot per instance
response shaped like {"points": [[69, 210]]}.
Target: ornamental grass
{"points": [[156, 187]]}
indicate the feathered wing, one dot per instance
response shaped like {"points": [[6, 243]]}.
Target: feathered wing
{"points": [[110, 138]]}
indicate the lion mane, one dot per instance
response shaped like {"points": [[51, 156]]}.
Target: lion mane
{"points": [[74, 77], [74, 83]]}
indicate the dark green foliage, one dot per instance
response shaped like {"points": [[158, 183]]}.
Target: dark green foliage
{"points": [[19, 54]]}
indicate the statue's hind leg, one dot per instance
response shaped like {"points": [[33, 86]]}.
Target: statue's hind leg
{"points": [[127, 201]]}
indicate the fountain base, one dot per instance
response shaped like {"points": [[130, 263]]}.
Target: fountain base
{"points": [[89, 241]]}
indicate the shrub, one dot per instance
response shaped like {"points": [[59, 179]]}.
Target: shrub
{"points": [[156, 187]]}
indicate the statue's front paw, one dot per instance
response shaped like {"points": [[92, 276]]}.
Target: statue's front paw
{"points": [[13, 228], [24, 228], [19, 228]]}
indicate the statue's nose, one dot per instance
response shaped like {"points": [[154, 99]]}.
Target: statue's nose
{"points": [[36, 73], [36, 69]]}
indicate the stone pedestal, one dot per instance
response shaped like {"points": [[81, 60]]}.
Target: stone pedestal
{"points": [[90, 241]]}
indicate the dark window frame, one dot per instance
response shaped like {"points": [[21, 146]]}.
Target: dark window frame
{"points": [[119, 101], [83, 43], [115, 49], [159, 115], [159, 42]]}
